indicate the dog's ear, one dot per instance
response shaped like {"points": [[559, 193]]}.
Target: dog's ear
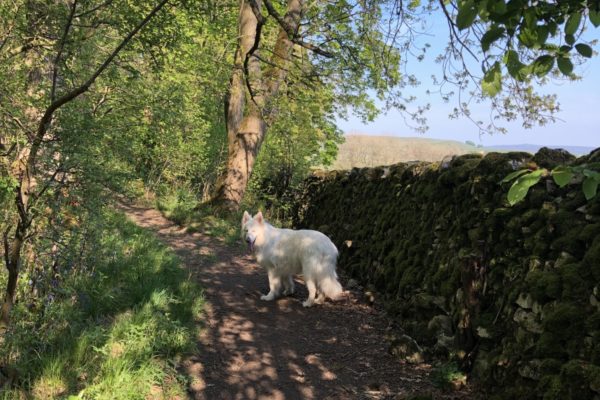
{"points": [[259, 217], [246, 217]]}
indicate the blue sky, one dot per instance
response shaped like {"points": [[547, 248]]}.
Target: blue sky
{"points": [[578, 124]]}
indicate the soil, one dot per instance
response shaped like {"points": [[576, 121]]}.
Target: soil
{"points": [[253, 349]]}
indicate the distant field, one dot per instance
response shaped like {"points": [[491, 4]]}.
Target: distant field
{"points": [[372, 151]]}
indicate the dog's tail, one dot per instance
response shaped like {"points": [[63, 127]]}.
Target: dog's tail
{"points": [[331, 287]]}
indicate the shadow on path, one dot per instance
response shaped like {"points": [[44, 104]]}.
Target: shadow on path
{"points": [[252, 349]]}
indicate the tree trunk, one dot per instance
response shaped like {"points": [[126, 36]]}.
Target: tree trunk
{"points": [[242, 155], [12, 261], [246, 127]]}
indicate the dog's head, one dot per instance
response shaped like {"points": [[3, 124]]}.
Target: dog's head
{"points": [[252, 229]]}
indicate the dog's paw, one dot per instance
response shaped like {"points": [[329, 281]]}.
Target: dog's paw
{"points": [[267, 297], [308, 303]]}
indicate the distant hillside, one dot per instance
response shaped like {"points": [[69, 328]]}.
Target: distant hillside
{"points": [[372, 151]]}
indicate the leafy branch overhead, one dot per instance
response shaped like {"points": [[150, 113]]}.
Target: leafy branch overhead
{"points": [[562, 176], [518, 45], [552, 31]]}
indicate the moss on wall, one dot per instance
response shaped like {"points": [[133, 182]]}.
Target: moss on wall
{"points": [[519, 284]]}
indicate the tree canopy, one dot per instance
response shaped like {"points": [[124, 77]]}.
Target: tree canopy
{"points": [[519, 46]]}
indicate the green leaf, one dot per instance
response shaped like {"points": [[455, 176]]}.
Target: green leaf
{"points": [[542, 34], [514, 175], [565, 65], [595, 18], [528, 37], [493, 34], [573, 23], [590, 187], [497, 7], [519, 189], [584, 49], [564, 49], [542, 65], [591, 174], [562, 175], [570, 39], [515, 67], [466, 15], [492, 81]]}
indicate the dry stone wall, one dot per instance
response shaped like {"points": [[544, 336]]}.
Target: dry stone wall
{"points": [[512, 292]]}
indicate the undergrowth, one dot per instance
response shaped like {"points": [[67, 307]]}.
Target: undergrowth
{"points": [[182, 206], [115, 329]]}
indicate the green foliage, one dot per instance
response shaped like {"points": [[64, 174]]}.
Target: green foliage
{"points": [[446, 376], [520, 46], [562, 175], [492, 81], [109, 327], [181, 206], [177, 205], [536, 26], [584, 50], [590, 186], [8, 185], [303, 136], [594, 17], [466, 14], [520, 187]]}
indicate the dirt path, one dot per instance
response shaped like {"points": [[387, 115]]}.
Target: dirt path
{"points": [[252, 349]]}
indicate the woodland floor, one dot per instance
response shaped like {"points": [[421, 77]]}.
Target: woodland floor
{"points": [[252, 349]]}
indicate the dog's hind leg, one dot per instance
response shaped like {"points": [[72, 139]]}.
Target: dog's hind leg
{"points": [[288, 285], [274, 287], [312, 292], [320, 297]]}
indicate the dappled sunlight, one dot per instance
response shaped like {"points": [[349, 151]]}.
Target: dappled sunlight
{"points": [[326, 374], [254, 349]]}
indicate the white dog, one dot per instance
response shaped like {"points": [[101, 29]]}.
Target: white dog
{"points": [[286, 252]]}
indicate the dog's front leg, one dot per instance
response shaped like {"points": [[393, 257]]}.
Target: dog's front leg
{"points": [[274, 287], [288, 285], [312, 292]]}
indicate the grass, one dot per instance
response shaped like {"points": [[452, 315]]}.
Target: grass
{"points": [[114, 331], [180, 207], [177, 205], [448, 376]]}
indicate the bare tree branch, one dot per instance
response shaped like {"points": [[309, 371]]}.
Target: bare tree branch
{"points": [[61, 46], [453, 30], [48, 182], [260, 21], [291, 32], [94, 9], [6, 246], [7, 152]]}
